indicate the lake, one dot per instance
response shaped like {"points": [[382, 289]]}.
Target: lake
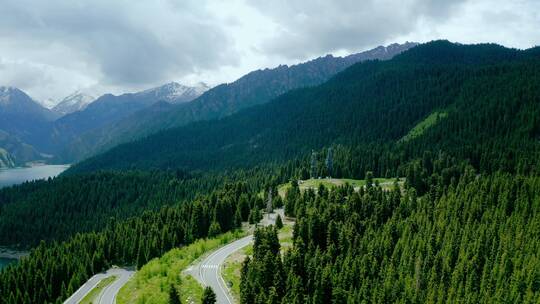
{"points": [[14, 176], [4, 262]]}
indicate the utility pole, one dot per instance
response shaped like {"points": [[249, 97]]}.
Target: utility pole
{"points": [[269, 206], [313, 164], [329, 162]]}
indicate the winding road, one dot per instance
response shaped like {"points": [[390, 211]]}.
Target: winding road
{"points": [[108, 295], [208, 271]]}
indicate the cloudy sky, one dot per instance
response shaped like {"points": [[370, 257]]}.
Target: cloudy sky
{"points": [[52, 48]]}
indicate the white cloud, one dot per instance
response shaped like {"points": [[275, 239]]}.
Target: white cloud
{"points": [[50, 48], [124, 44], [311, 27]]}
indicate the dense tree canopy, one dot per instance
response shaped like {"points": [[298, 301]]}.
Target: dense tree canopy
{"points": [[475, 241], [53, 271], [58, 208]]}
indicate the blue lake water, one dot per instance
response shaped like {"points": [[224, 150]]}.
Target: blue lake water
{"points": [[4, 262], [15, 176]]}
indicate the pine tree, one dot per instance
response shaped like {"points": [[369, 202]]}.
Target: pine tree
{"points": [[174, 297], [237, 219], [279, 222], [209, 297], [214, 229]]}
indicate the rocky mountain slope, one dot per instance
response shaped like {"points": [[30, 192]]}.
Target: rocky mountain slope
{"points": [[24, 126], [74, 102], [255, 88]]}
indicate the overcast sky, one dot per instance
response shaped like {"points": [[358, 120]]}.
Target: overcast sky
{"points": [[52, 48]]}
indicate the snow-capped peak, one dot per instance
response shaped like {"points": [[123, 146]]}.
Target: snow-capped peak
{"points": [[201, 87], [9, 94], [48, 103], [174, 92], [77, 101]]}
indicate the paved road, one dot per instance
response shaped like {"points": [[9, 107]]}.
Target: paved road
{"points": [[109, 294], [208, 271]]}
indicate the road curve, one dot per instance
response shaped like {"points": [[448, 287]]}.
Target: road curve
{"points": [[208, 271], [108, 295]]}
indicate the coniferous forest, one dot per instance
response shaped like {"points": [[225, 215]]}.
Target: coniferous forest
{"points": [[474, 240], [461, 124], [55, 270]]}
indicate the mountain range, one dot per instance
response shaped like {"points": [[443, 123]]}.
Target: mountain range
{"points": [[459, 89], [255, 88], [80, 125], [31, 132]]}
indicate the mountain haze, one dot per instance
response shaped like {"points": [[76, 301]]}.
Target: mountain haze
{"points": [[109, 109], [254, 88], [176, 93]]}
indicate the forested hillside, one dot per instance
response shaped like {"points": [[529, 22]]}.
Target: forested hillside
{"points": [[474, 240], [254, 88], [53, 271], [489, 95], [56, 209]]}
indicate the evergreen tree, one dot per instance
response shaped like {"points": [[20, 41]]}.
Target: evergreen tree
{"points": [[279, 222], [214, 229], [174, 297], [209, 297], [392, 246]]}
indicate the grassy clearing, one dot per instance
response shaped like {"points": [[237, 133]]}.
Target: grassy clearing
{"points": [[233, 264], [190, 290], [231, 272], [151, 283], [422, 126], [386, 183], [92, 296], [285, 237]]}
